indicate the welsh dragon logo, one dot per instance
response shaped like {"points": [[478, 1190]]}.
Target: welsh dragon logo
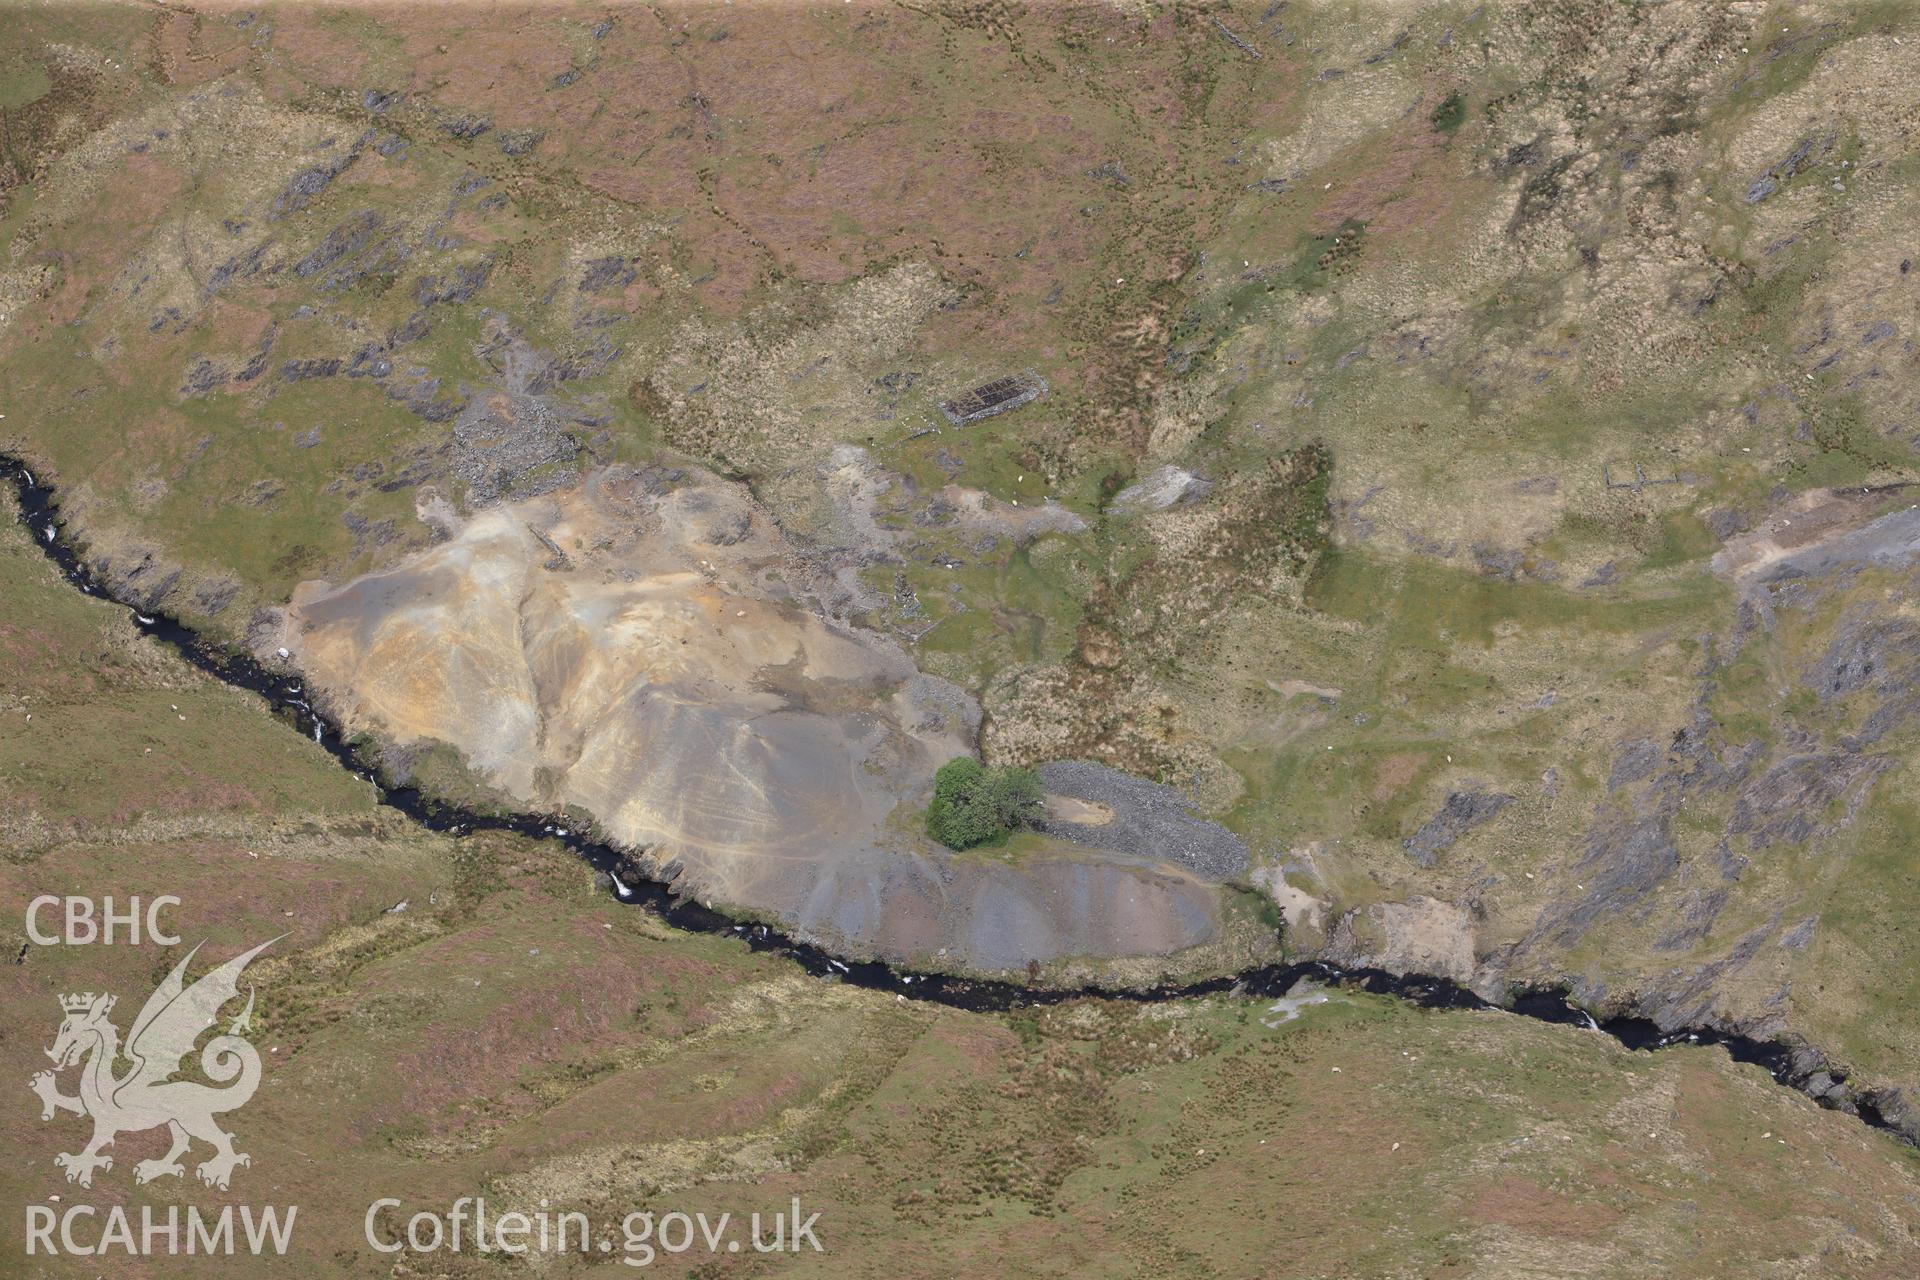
{"points": [[146, 1096]]}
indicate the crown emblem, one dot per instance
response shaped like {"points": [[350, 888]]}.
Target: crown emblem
{"points": [[167, 1033]]}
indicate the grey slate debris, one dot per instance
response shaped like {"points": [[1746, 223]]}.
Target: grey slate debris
{"points": [[376, 533], [496, 448], [1150, 820]]}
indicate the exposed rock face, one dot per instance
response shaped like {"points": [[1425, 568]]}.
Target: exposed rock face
{"points": [[650, 647], [1790, 788], [1622, 864], [1790, 800], [1866, 651], [1463, 811]]}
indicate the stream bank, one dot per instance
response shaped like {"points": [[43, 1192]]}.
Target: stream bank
{"points": [[1795, 1065]]}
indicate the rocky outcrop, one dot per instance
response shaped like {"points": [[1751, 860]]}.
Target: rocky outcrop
{"points": [[1463, 811]]}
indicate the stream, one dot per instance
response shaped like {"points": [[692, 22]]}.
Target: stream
{"points": [[286, 699]]}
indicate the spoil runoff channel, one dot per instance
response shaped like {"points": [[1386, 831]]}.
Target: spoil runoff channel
{"points": [[286, 696]]}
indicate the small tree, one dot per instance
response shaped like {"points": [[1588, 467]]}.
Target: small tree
{"points": [[973, 805]]}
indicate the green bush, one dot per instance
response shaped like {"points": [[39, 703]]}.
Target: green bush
{"points": [[973, 805]]}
